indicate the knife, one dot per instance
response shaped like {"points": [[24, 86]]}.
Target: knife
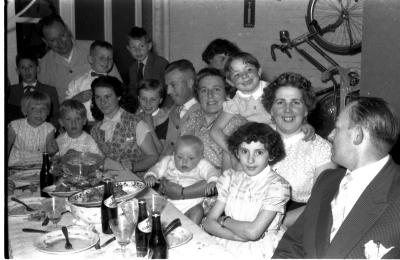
{"points": [[108, 242], [32, 230]]}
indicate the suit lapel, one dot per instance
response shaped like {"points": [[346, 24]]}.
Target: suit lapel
{"points": [[324, 224], [149, 65], [367, 210]]}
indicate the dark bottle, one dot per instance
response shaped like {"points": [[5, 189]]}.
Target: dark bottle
{"points": [[46, 178], [106, 212], [143, 229], [157, 243]]}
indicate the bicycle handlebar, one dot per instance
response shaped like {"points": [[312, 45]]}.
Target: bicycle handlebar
{"points": [[282, 47]]}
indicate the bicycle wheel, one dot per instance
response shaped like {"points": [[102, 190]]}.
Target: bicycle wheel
{"points": [[347, 14]]}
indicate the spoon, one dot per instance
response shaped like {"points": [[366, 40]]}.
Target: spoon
{"points": [[22, 203]]}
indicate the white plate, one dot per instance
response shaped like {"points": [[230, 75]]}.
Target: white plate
{"points": [[54, 242], [26, 177], [35, 202], [178, 237], [132, 188], [62, 194]]}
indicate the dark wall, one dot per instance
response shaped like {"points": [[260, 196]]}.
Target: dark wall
{"points": [[380, 57], [123, 18], [89, 20]]}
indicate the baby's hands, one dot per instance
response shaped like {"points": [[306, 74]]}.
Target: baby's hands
{"points": [[309, 132], [150, 180], [210, 188]]}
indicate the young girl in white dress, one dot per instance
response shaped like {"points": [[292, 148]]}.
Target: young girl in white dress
{"points": [[252, 198], [29, 137]]}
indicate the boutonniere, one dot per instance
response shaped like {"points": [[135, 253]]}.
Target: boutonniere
{"points": [[375, 250]]}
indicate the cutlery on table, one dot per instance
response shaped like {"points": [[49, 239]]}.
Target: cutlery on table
{"points": [[32, 230], [28, 208], [68, 244], [108, 242], [97, 245], [171, 226]]}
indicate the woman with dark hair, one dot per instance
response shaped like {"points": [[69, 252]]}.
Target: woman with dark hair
{"points": [[121, 135], [217, 53], [289, 99]]}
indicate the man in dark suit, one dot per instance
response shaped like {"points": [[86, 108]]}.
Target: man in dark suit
{"points": [[27, 67], [147, 65], [358, 204]]}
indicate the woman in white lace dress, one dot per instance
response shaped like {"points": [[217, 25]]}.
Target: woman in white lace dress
{"points": [[289, 99]]}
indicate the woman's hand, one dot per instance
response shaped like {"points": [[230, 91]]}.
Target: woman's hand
{"points": [[170, 189], [150, 181], [309, 132]]}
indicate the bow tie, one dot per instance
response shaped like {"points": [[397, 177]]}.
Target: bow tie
{"points": [[29, 88], [95, 74]]}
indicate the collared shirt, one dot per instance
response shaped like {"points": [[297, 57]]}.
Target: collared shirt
{"points": [[69, 56], [24, 85], [108, 125], [185, 107], [80, 84], [249, 105], [144, 63], [360, 179]]}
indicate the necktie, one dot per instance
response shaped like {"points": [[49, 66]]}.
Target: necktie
{"points": [[29, 88], [140, 71], [338, 205]]}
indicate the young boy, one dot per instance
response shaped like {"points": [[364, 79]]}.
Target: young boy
{"points": [[151, 94], [186, 167], [101, 63], [74, 139], [147, 65], [28, 68]]}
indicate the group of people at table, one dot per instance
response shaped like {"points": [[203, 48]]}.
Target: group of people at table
{"points": [[282, 190]]}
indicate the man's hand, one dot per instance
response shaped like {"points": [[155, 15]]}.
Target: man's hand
{"points": [[170, 189], [210, 188], [83, 96], [309, 132]]}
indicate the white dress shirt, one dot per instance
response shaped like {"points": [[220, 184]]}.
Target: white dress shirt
{"points": [[349, 193]]}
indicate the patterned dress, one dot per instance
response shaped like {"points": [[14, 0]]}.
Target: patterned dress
{"points": [[299, 165], [244, 197], [123, 144], [30, 142], [197, 125]]}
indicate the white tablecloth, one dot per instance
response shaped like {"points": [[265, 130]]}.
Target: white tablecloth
{"points": [[202, 245]]}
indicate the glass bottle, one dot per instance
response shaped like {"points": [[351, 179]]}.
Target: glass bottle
{"points": [[46, 178], [143, 229], [157, 243], [106, 212]]}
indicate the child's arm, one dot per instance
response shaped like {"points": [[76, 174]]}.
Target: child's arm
{"points": [[51, 144], [174, 191], [217, 130], [212, 224], [309, 132], [11, 135], [149, 120]]}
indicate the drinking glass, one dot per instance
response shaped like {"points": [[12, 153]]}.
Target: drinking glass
{"points": [[125, 223], [54, 207]]}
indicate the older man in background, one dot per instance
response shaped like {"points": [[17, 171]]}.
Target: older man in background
{"points": [[353, 212], [67, 59]]}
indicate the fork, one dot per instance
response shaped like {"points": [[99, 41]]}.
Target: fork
{"points": [[68, 244]]}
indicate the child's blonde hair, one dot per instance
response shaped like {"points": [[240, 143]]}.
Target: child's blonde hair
{"points": [[37, 97], [193, 141], [72, 105]]}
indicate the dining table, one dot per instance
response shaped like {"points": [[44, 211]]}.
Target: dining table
{"points": [[22, 244]]}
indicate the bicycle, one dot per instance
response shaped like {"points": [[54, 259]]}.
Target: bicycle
{"points": [[332, 99]]}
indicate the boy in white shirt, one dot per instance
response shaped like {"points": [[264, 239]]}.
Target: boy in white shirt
{"points": [[101, 63], [74, 139]]}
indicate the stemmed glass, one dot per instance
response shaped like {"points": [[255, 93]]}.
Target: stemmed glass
{"points": [[54, 207], [125, 223]]}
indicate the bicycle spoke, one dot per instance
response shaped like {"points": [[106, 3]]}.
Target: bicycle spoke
{"points": [[349, 32]]}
